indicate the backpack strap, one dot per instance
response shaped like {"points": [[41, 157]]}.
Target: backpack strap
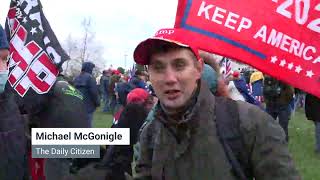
{"points": [[228, 132]]}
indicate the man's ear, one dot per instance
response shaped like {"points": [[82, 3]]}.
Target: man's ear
{"points": [[200, 65]]}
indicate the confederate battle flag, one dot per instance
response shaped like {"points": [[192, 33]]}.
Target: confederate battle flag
{"points": [[35, 53]]}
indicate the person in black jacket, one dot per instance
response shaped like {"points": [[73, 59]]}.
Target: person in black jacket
{"points": [[87, 85], [104, 85], [312, 106], [118, 159], [13, 160], [13, 157], [278, 96], [63, 108]]}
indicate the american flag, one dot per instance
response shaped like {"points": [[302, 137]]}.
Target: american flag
{"points": [[225, 65], [132, 72], [35, 53]]}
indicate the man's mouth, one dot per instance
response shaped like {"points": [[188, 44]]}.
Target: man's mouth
{"points": [[172, 94]]}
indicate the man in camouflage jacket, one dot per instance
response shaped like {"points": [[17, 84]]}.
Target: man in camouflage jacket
{"points": [[180, 141]]}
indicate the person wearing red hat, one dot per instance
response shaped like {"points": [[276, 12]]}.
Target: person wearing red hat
{"points": [[117, 160], [138, 95], [187, 137], [116, 72]]}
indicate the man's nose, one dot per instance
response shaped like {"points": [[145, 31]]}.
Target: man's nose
{"points": [[170, 76]]}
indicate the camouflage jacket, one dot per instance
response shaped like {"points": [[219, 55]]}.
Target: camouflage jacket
{"points": [[192, 150]]}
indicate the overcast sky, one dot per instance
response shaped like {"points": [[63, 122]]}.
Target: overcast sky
{"points": [[118, 24]]}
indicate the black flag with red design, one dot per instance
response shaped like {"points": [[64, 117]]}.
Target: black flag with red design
{"points": [[35, 53]]}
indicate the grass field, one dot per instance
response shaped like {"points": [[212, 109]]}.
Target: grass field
{"points": [[301, 143]]}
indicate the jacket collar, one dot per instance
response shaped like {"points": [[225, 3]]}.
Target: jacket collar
{"points": [[183, 129], [203, 103]]}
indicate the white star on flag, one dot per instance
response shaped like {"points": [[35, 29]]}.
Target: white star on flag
{"points": [[298, 69], [310, 74], [290, 66], [274, 59], [24, 20], [283, 63], [33, 30]]}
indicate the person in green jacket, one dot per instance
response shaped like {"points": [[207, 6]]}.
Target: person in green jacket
{"points": [[181, 139]]}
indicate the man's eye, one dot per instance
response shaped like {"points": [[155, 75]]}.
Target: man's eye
{"points": [[158, 67], [180, 65]]}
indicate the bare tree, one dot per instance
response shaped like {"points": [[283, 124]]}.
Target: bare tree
{"points": [[88, 36], [71, 46], [81, 49]]}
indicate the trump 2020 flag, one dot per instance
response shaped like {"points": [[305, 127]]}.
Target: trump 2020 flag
{"points": [[35, 53], [278, 37]]}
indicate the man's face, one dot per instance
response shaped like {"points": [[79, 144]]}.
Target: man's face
{"points": [[3, 59], [174, 76]]}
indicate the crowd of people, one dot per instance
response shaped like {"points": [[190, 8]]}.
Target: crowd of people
{"points": [[186, 119]]}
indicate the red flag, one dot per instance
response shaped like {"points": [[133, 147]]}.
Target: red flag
{"points": [[278, 37]]}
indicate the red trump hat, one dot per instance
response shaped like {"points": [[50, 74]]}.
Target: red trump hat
{"points": [[174, 35]]}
